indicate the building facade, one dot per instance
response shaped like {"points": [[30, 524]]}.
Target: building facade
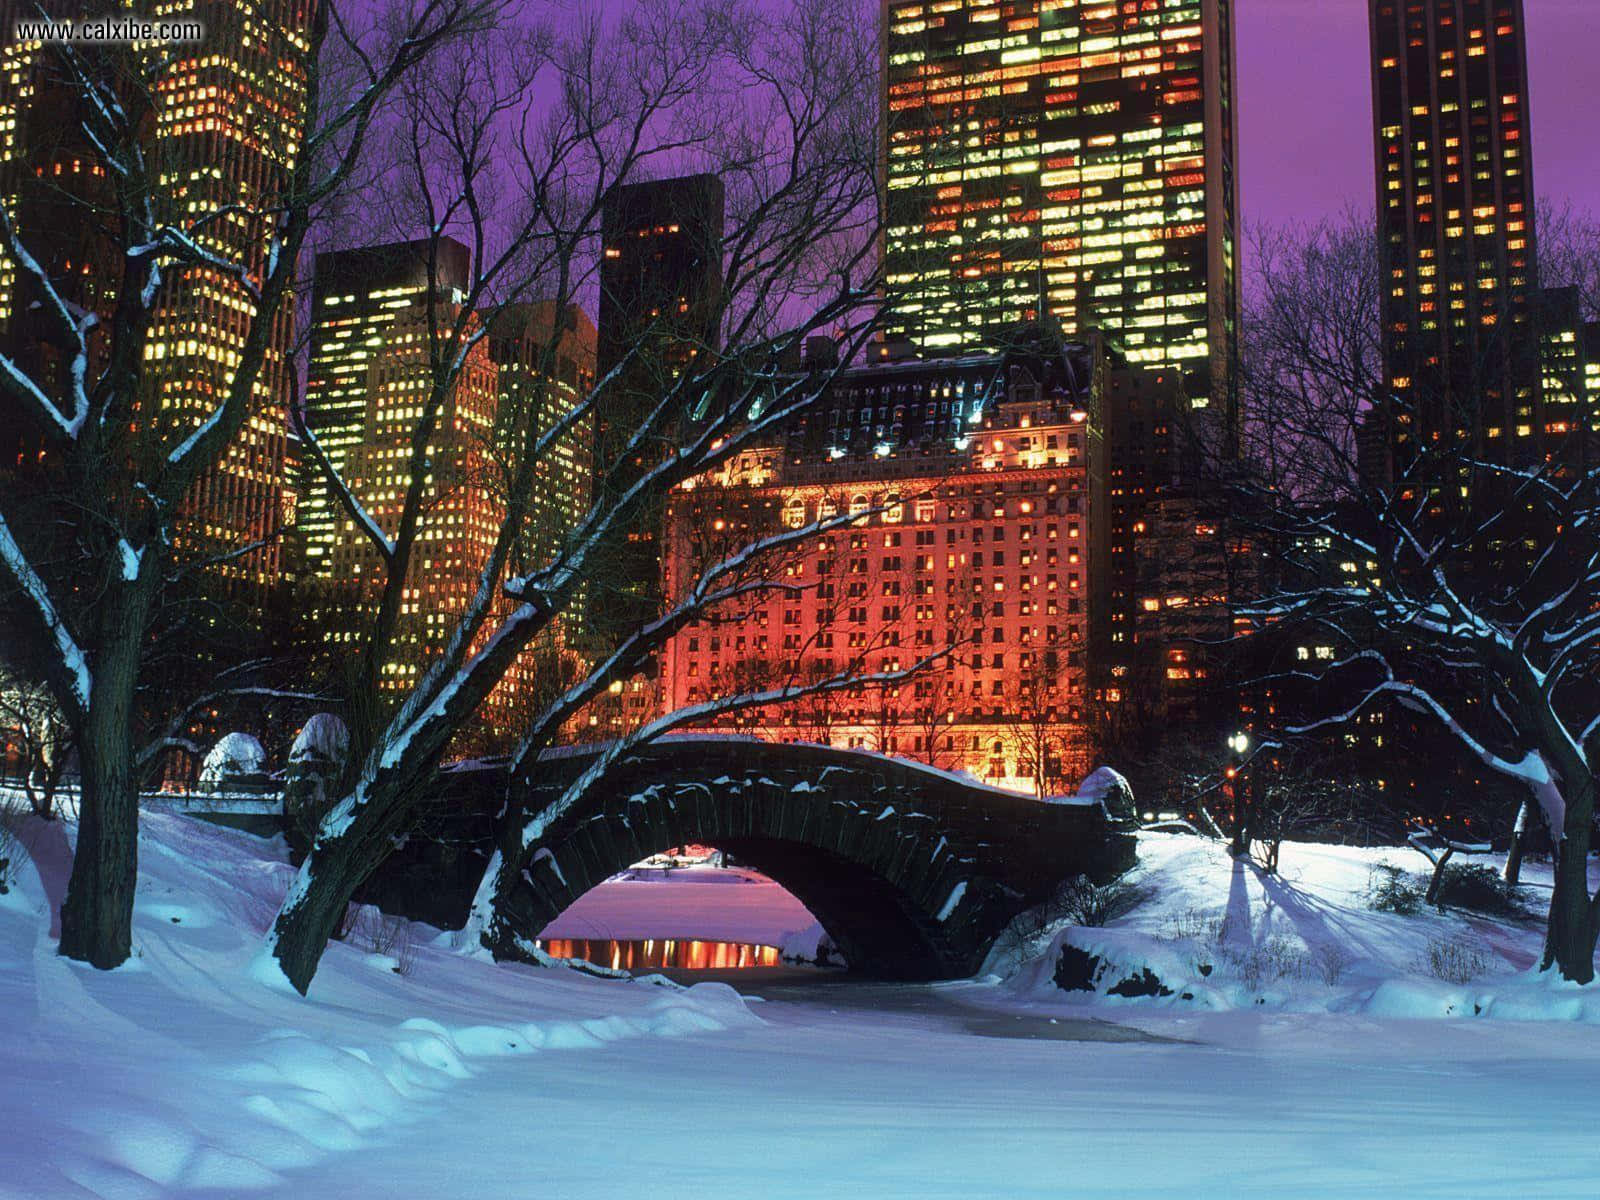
{"points": [[1075, 157], [969, 569]]}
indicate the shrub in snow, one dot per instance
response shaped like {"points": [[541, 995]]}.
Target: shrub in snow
{"points": [[1391, 890], [237, 760], [1478, 887], [383, 935], [8, 853], [1331, 960], [1454, 961], [1275, 959], [1081, 901], [1197, 925], [316, 760], [1078, 901]]}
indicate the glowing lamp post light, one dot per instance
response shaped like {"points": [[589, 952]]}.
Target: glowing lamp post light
{"points": [[1238, 747]]}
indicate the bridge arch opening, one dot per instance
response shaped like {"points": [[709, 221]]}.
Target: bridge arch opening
{"points": [[694, 907], [874, 926]]}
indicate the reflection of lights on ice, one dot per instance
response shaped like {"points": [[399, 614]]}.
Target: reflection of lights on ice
{"points": [[689, 953]]}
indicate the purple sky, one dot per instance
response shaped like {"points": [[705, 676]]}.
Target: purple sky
{"points": [[1305, 105]]}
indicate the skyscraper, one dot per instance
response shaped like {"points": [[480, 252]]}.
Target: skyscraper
{"points": [[660, 287], [1074, 153], [224, 132], [357, 298], [545, 359], [1456, 227], [462, 511]]}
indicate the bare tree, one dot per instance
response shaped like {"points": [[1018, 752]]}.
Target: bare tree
{"points": [[1462, 593], [30, 712], [90, 586], [1302, 792], [782, 108], [1035, 727]]}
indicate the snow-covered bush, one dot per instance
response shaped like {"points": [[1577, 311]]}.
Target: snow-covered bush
{"points": [[237, 759], [1077, 902], [385, 936], [1478, 887], [316, 761], [1332, 960], [1276, 958], [1081, 901], [1391, 890], [1197, 925], [1454, 961], [8, 851]]}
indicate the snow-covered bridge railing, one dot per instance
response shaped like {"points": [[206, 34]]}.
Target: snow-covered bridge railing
{"points": [[913, 872]]}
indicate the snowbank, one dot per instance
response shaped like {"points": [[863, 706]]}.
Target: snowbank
{"points": [[1215, 934], [182, 1072]]}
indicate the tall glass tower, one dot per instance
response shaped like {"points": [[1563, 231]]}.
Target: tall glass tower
{"points": [[1074, 156]]}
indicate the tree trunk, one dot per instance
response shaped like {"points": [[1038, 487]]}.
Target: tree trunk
{"points": [[336, 866], [303, 929], [97, 914], [1240, 846], [1570, 936], [1432, 896], [1513, 872]]}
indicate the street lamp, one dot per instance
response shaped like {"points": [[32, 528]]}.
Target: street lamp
{"points": [[1239, 745]]}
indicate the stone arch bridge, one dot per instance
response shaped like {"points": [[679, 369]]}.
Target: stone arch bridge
{"points": [[912, 872]]}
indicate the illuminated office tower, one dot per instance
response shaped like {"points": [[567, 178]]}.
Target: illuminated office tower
{"points": [[357, 298], [546, 359], [1078, 149], [224, 132], [463, 508], [1456, 226]]}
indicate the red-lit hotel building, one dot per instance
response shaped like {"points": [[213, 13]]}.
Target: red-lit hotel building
{"points": [[973, 479]]}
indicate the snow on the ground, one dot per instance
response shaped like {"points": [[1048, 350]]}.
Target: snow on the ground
{"points": [[179, 1076], [648, 902], [178, 1072], [1213, 934]]}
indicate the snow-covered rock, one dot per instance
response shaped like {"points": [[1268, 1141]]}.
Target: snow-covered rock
{"points": [[315, 761], [811, 947], [237, 760], [1110, 789]]}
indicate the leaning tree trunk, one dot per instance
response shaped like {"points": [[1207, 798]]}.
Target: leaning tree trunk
{"points": [[97, 914], [359, 833]]}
